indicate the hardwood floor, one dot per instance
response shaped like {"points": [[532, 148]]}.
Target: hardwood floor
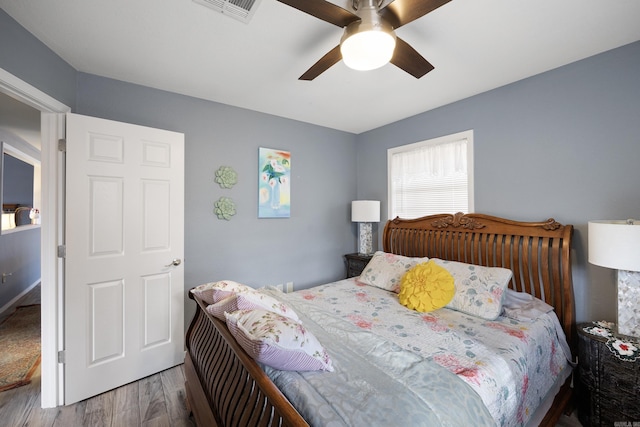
{"points": [[155, 401]]}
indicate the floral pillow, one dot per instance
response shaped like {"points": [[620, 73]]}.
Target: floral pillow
{"points": [[214, 292], [250, 301], [426, 287], [278, 341], [479, 290], [385, 270]]}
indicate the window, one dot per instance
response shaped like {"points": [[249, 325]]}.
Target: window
{"points": [[431, 177], [20, 185]]}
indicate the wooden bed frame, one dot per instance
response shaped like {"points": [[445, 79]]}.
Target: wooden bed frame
{"points": [[226, 387]]}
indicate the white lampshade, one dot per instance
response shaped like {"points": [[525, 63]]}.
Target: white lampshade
{"points": [[365, 211], [369, 42], [367, 50], [615, 244]]}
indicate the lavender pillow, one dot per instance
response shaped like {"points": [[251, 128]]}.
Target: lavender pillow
{"points": [[278, 341]]}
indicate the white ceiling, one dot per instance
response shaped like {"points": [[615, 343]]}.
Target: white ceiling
{"points": [[184, 47]]}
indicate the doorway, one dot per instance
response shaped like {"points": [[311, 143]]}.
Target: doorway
{"points": [[52, 114], [19, 235]]}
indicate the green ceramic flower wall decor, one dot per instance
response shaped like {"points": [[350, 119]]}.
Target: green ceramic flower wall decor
{"points": [[226, 177], [225, 208]]}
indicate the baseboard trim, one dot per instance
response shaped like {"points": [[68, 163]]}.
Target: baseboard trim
{"points": [[20, 295]]}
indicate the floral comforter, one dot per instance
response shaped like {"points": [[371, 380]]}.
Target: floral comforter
{"points": [[510, 364]]}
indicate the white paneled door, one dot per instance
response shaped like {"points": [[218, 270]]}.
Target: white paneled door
{"points": [[124, 235]]}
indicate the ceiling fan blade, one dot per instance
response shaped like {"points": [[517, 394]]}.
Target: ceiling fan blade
{"points": [[330, 59], [407, 58], [401, 12], [323, 10]]}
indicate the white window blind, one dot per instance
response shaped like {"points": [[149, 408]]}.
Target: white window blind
{"points": [[431, 177]]}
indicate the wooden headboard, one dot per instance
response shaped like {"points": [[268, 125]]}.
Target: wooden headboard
{"points": [[538, 253]]}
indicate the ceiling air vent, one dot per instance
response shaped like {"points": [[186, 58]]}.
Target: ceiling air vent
{"points": [[242, 10]]}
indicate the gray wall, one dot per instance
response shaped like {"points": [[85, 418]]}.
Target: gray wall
{"points": [[20, 256], [563, 144], [17, 181], [20, 250], [305, 249], [26, 57]]}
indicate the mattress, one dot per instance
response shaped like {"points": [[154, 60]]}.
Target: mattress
{"points": [[510, 364]]}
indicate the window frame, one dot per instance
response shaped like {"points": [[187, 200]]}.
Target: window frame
{"points": [[468, 135]]}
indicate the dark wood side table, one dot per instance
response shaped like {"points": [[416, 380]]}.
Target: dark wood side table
{"points": [[609, 372], [356, 263]]}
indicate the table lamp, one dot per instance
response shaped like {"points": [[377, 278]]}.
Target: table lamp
{"points": [[616, 244], [364, 212]]}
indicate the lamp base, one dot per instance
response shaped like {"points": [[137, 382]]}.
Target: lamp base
{"points": [[628, 307], [365, 240]]}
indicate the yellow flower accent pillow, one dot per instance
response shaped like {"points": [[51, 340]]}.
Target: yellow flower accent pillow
{"points": [[426, 287]]}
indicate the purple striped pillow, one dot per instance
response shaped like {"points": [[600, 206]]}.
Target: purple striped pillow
{"points": [[278, 341]]}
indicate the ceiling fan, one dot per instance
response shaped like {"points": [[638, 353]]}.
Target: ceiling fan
{"points": [[369, 40]]}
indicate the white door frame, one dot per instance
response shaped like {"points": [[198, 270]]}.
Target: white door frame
{"points": [[52, 230]]}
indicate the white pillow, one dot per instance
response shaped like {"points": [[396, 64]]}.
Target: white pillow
{"points": [[250, 301], [278, 341], [213, 292], [385, 270], [523, 306], [479, 290]]}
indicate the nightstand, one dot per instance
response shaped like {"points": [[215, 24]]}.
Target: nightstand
{"points": [[356, 263], [609, 372]]}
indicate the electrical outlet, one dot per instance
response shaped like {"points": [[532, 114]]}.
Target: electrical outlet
{"points": [[289, 287], [280, 287]]}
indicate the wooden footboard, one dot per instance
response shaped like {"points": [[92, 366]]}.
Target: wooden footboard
{"points": [[226, 387]]}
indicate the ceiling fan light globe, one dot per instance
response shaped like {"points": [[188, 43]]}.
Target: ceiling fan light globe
{"points": [[367, 50]]}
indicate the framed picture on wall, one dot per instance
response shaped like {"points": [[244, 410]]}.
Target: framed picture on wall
{"points": [[274, 186]]}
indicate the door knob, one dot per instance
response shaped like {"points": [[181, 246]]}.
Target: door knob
{"points": [[176, 262]]}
